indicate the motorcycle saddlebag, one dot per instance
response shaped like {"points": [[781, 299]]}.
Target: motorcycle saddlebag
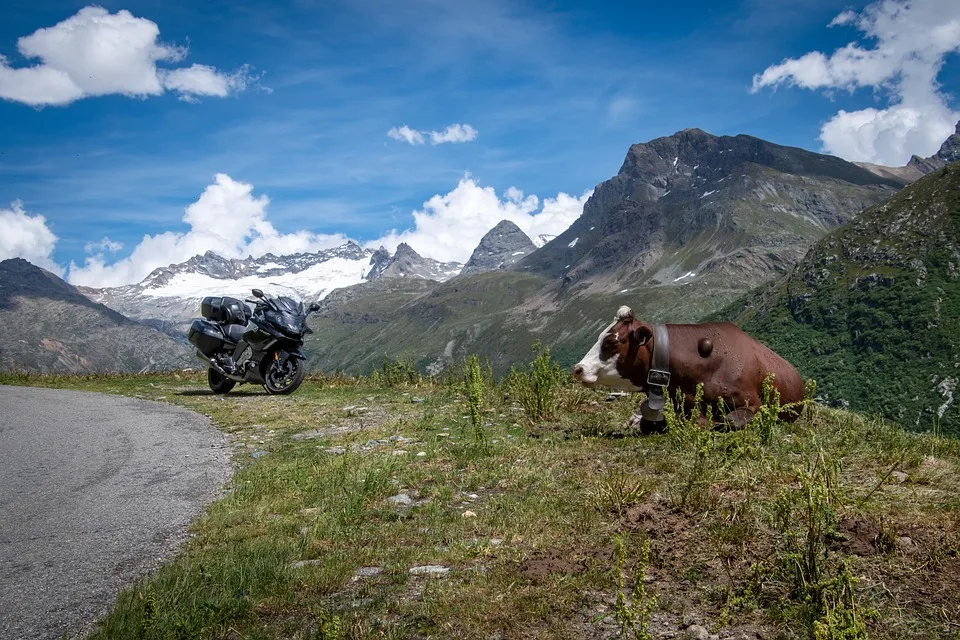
{"points": [[205, 336], [228, 310]]}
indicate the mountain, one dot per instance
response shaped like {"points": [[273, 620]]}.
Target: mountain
{"points": [[48, 326], [501, 247], [407, 263], [169, 297], [691, 207], [873, 311], [690, 223], [919, 167]]}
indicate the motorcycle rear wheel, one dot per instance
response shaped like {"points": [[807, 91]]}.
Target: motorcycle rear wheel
{"points": [[219, 383], [283, 382]]}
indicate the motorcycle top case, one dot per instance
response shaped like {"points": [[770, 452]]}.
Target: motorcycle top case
{"points": [[228, 310], [205, 336]]}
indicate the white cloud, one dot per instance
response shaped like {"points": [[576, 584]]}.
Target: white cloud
{"points": [[406, 134], [96, 53], [450, 226], [227, 219], [105, 245], [454, 133], [28, 237], [912, 40]]}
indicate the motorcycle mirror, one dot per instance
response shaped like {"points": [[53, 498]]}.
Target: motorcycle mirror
{"points": [[314, 307], [258, 293]]}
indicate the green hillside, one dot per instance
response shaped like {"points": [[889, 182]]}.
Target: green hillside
{"points": [[873, 311]]}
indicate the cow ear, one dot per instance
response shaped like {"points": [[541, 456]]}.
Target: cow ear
{"points": [[642, 334]]}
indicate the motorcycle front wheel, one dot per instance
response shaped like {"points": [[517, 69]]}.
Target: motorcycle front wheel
{"points": [[284, 380], [219, 383]]}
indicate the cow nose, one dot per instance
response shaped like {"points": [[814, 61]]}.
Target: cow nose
{"points": [[578, 371]]}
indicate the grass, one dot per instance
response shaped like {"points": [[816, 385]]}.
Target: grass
{"points": [[558, 526]]}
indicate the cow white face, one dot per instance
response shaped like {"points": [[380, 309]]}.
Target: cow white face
{"points": [[599, 366]]}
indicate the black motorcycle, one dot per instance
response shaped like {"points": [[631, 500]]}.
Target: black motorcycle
{"points": [[260, 347]]}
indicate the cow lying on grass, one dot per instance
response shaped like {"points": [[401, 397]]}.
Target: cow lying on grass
{"points": [[659, 359]]}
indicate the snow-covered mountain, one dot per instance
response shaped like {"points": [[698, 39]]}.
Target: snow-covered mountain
{"points": [[169, 298]]}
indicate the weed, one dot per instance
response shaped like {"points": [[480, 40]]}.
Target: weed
{"points": [[633, 615], [838, 619], [536, 386], [805, 516], [474, 385], [618, 492]]}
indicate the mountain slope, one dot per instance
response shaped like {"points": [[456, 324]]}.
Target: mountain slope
{"points": [[690, 223], [693, 205], [873, 311], [48, 326]]}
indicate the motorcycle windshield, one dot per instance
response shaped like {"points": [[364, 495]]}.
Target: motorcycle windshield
{"points": [[286, 304]]}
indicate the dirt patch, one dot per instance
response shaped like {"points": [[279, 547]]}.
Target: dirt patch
{"points": [[543, 564], [858, 537]]}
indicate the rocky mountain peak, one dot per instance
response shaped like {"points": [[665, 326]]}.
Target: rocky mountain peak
{"points": [[685, 206], [406, 262], [379, 261], [499, 248], [950, 149]]}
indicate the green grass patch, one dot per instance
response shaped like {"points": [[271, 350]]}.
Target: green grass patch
{"points": [[397, 506]]}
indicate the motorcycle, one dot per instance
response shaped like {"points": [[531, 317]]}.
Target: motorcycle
{"points": [[263, 346]]}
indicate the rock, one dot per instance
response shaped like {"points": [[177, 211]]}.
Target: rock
{"points": [[368, 572], [469, 514], [904, 543], [899, 477], [258, 454], [429, 570], [696, 632], [417, 400], [421, 454], [306, 563], [336, 451], [401, 499], [616, 395]]}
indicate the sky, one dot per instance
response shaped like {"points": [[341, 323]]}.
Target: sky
{"points": [[136, 134]]}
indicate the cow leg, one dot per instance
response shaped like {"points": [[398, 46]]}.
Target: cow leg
{"points": [[646, 427], [738, 419]]}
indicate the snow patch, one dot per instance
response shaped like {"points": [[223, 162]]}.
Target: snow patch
{"points": [[313, 283], [574, 243], [707, 194], [688, 274]]}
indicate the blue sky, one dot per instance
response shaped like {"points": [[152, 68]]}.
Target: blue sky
{"points": [[556, 91]]}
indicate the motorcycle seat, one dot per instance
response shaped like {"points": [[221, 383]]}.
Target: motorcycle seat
{"points": [[234, 332]]}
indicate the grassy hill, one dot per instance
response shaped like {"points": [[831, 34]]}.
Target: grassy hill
{"points": [[375, 508], [873, 311]]}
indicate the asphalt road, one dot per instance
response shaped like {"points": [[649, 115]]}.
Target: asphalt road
{"points": [[95, 490]]}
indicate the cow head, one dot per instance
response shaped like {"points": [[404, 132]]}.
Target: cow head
{"points": [[621, 356]]}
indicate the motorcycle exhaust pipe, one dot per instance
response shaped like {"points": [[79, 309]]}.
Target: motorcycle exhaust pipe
{"points": [[216, 367]]}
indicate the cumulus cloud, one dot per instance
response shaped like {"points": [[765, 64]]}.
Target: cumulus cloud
{"points": [[27, 236], [450, 226], [455, 133], [227, 219], [97, 53], [912, 40]]}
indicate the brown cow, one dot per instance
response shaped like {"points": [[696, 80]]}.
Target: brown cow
{"points": [[730, 364]]}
